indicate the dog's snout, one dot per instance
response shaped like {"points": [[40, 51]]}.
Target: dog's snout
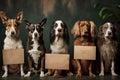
{"points": [[35, 34], [86, 32], [12, 32], [59, 30], [109, 33]]}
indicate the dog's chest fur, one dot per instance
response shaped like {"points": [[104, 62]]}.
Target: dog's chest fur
{"points": [[108, 50], [10, 43], [59, 46], [34, 52]]}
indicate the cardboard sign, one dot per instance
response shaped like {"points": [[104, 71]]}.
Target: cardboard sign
{"points": [[85, 52], [57, 61], [13, 56]]}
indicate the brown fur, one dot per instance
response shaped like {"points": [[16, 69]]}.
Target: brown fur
{"points": [[83, 32], [8, 23]]}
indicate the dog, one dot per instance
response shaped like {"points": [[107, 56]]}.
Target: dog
{"points": [[12, 40], [84, 32], [59, 40], [107, 44], [36, 47]]}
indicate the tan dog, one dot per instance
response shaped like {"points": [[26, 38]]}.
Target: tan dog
{"points": [[83, 32], [12, 40]]}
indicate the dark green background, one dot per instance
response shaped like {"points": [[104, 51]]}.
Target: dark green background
{"points": [[33, 11]]}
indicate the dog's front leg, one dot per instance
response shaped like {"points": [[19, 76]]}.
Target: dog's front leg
{"points": [[56, 73], [6, 71], [30, 68], [112, 69], [102, 69], [79, 74], [90, 70], [42, 67], [21, 70]]}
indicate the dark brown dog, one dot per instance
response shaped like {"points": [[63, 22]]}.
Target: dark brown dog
{"points": [[36, 47]]}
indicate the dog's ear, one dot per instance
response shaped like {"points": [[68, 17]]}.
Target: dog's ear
{"points": [[41, 24], [93, 29], [3, 17], [76, 30], [100, 31], [19, 17], [27, 24], [66, 34]]}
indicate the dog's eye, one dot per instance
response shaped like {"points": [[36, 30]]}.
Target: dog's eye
{"points": [[105, 27], [15, 25], [55, 25], [62, 25]]}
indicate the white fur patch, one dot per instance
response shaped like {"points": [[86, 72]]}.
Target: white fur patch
{"points": [[35, 53], [108, 30], [10, 43], [58, 22], [59, 46]]}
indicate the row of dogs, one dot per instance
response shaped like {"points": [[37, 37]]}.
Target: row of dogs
{"points": [[84, 33]]}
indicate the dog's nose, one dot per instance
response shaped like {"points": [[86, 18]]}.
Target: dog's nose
{"points": [[86, 32], [35, 34], [12, 32], [59, 30], [109, 33]]}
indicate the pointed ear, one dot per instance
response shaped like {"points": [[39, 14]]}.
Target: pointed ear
{"points": [[42, 22], [27, 24], [19, 17], [3, 17]]}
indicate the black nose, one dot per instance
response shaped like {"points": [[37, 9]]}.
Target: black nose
{"points": [[86, 32], [59, 30], [109, 33], [12, 32], [35, 34]]}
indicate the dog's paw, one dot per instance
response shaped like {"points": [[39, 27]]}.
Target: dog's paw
{"points": [[4, 75], [101, 74], [92, 75], [22, 73], [28, 74], [56, 75], [42, 74], [114, 74], [48, 74], [78, 75], [70, 74]]}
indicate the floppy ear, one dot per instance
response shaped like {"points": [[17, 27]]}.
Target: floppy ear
{"points": [[66, 34], [43, 22], [93, 29], [3, 17], [19, 17], [75, 30], [27, 24], [52, 34], [100, 31]]}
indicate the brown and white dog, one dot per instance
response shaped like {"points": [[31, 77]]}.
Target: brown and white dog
{"points": [[84, 32], [12, 40], [107, 44], [35, 47], [59, 40]]}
